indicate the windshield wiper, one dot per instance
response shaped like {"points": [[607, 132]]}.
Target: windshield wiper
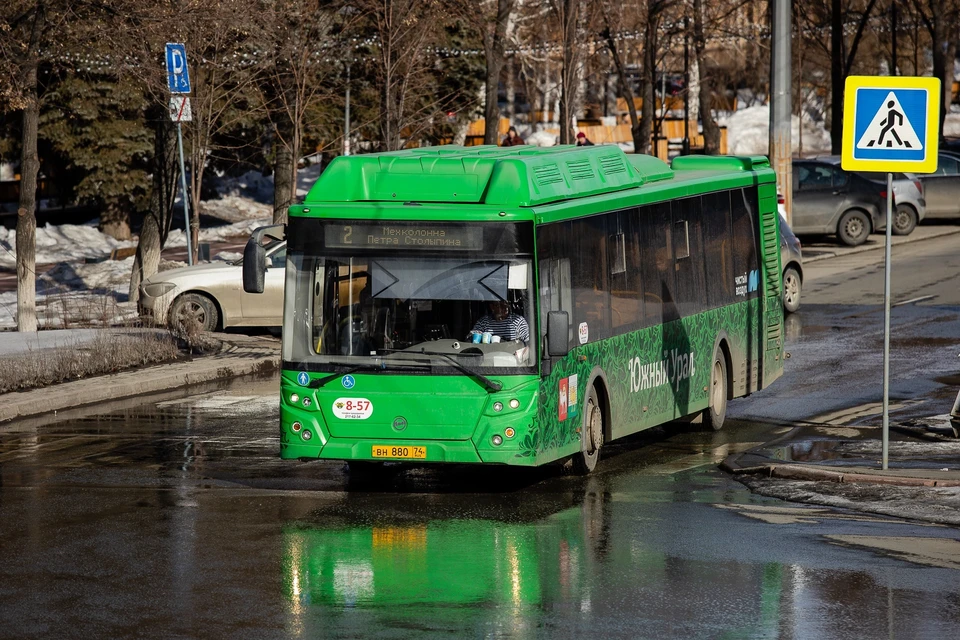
{"points": [[491, 385], [319, 382]]}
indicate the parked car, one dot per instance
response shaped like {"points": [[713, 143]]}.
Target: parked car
{"points": [[829, 200], [212, 295], [791, 267], [942, 189], [910, 205]]}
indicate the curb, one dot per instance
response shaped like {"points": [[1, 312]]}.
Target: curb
{"points": [[817, 474], [140, 382], [861, 249]]}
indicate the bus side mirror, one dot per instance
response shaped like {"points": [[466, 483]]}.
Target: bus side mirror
{"points": [[255, 257], [558, 333]]}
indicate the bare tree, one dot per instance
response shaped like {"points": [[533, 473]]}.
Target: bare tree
{"points": [[402, 31], [34, 32], [296, 74], [942, 21], [614, 19], [569, 14], [711, 131]]}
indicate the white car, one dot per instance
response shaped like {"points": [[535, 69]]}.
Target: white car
{"points": [[212, 295]]}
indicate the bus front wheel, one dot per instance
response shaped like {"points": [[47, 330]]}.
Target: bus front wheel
{"points": [[591, 435], [715, 413]]}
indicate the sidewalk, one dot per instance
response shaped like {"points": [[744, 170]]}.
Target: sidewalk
{"points": [[242, 355], [822, 250], [825, 460]]}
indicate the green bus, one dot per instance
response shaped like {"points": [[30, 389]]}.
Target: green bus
{"points": [[521, 305]]}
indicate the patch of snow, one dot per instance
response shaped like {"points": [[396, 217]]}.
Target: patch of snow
{"points": [[228, 256], [542, 139], [951, 124], [71, 294], [748, 133], [62, 243]]}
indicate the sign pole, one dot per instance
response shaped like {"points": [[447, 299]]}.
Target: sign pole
{"points": [[183, 183], [886, 326]]}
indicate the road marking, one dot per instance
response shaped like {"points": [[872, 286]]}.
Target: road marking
{"points": [[912, 300]]}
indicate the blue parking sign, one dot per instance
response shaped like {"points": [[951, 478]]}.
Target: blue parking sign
{"points": [[178, 78]]}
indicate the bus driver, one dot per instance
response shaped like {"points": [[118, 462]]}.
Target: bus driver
{"points": [[502, 321]]}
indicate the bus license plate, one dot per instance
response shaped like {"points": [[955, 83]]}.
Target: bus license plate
{"points": [[391, 451]]}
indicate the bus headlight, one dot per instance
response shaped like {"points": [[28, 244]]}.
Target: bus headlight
{"points": [[498, 406], [294, 398], [307, 402], [514, 403], [306, 435], [497, 441]]}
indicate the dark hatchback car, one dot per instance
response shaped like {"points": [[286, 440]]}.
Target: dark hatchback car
{"points": [[829, 200]]}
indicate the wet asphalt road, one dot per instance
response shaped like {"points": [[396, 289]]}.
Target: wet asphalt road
{"points": [[175, 519]]}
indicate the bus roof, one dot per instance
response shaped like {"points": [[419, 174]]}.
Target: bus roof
{"points": [[521, 176]]}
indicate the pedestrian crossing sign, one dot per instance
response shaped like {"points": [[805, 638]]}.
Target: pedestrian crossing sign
{"points": [[890, 124]]}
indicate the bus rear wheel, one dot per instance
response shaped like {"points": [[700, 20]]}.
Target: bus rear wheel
{"points": [[591, 435], [715, 413]]}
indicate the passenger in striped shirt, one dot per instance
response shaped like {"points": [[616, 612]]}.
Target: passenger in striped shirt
{"points": [[501, 321]]}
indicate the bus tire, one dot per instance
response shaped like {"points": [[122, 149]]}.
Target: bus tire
{"points": [[591, 434], [716, 411]]}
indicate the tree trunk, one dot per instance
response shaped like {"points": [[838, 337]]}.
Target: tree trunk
{"points": [[649, 75], [493, 44], [639, 146], [156, 226], [569, 79], [711, 132], [283, 169], [836, 77], [27, 209], [115, 222]]}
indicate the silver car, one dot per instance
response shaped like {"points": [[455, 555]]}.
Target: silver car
{"points": [[212, 296], [942, 189], [791, 267]]}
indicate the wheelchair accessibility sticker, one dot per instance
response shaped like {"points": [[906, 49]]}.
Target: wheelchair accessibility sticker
{"points": [[891, 124]]}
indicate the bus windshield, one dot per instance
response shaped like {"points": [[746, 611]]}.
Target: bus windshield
{"points": [[410, 311]]}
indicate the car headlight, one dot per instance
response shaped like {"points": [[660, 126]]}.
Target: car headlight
{"points": [[156, 289]]}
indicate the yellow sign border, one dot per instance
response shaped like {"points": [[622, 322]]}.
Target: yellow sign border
{"points": [[931, 144]]}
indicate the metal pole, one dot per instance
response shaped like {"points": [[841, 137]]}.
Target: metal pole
{"points": [[886, 325], [186, 210], [893, 37], [686, 88], [346, 117], [780, 135]]}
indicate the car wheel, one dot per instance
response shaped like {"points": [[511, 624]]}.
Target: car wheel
{"points": [[904, 220], [854, 228], [791, 290], [194, 310]]}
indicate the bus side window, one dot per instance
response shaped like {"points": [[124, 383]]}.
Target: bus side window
{"points": [[657, 276], [719, 254], [744, 214], [689, 256], [555, 292], [626, 290]]}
